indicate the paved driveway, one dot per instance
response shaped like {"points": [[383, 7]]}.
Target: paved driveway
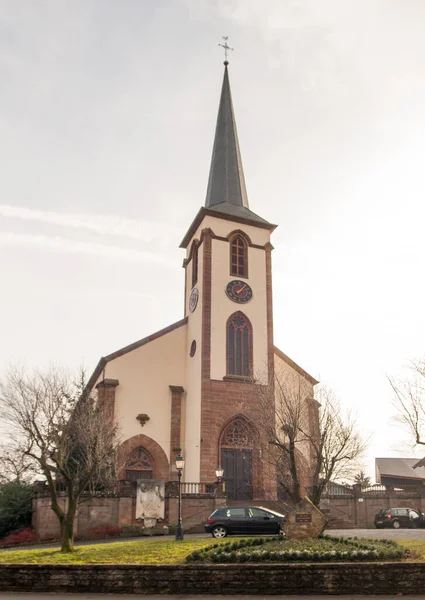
{"points": [[389, 534]]}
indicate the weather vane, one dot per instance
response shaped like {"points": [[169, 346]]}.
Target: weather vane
{"points": [[226, 48]]}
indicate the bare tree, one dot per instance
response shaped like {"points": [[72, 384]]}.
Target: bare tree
{"points": [[311, 440], [338, 448], [54, 422], [15, 466], [409, 400]]}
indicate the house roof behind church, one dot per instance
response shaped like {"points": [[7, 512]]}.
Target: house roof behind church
{"points": [[402, 468]]}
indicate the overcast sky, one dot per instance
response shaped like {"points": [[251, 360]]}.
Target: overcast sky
{"points": [[107, 118]]}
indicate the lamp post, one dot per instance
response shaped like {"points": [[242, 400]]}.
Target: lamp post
{"points": [[179, 467], [219, 474]]}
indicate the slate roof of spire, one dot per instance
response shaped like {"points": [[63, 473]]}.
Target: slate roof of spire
{"points": [[226, 193]]}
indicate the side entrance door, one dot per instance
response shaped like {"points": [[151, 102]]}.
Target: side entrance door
{"points": [[237, 465]]}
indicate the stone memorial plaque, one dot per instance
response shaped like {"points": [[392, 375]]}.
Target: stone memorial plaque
{"points": [[303, 518], [304, 521]]}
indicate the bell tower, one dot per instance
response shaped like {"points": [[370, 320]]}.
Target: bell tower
{"points": [[228, 305]]}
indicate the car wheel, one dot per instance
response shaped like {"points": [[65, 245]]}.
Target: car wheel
{"points": [[219, 531], [395, 524]]}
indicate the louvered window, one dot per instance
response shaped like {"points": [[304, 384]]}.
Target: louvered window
{"points": [[195, 264], [238, 257]]}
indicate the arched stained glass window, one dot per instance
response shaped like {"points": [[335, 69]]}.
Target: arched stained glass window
{"points": [[139, 465], [239, 345], [238, 257], [238, 434]]}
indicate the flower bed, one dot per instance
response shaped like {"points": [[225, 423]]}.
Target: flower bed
{"points": [[324, 549]]}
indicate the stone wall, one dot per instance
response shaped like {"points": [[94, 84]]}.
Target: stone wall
{"points": [[115, 512], [359, 509], [350, 578]]}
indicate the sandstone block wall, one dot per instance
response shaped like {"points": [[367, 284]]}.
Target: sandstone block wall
{"points": [[362, 578]]}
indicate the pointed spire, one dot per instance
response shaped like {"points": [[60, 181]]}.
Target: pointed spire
{"points": [[226, 185]]}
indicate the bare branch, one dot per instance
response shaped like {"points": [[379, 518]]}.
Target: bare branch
{"points": [[53, 422]]}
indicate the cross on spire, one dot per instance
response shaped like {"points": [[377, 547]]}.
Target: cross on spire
{"points": [[226, 48]]}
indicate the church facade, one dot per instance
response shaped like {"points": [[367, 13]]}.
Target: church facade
{"points": [[192, 387]]}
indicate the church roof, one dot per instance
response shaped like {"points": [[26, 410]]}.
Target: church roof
{"points": [[150, 338], [226, 193], [226, 184], [294, 365]]}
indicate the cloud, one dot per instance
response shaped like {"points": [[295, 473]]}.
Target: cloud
{"points": [[71, 246], [146, 231]]}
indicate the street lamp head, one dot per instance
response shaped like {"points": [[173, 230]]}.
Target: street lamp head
{"points": [[179, 463], [219, 472]]}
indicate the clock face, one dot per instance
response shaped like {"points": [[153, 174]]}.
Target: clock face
{"points": [[239, 291], [193, 300]]}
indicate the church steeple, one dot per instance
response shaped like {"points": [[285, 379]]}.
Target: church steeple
{"points": [[226, 192], [226, 184]]}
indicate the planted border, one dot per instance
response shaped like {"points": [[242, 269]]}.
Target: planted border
{"points": [[358, 549]]}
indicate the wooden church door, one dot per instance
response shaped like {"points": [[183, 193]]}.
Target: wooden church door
{"points": [[236, 446], [237, 465]]}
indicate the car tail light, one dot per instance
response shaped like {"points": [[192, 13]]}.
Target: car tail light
{"points": [[209, 521], [388, 516]]}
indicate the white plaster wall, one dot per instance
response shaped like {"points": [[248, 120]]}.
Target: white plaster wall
{"points": [[144, 376], [222, 307], [192, 437]]}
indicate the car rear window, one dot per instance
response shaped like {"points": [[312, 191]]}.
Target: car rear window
{"points": [[257, 513]]}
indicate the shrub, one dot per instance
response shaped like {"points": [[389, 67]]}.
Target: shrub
{"points": [[15, 506], [325, 549], [19, 537], [107, 531]]}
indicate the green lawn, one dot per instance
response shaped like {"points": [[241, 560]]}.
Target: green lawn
{"points": [[150, 551], [416, 547]]}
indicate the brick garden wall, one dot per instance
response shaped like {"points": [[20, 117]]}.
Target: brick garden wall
{"points": [[118, 511], [359, 509], [362, 578]]}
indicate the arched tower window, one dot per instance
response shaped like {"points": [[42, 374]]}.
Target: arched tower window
{"points": [[139, 465], [194, 263], [238, 256], [239, 345]]}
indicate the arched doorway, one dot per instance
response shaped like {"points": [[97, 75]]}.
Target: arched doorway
{"points": [[236, 454], [139, 465]]}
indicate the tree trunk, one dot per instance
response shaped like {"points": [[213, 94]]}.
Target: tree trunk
{"points": [[67, 526], [317, 494], [293, 467]]}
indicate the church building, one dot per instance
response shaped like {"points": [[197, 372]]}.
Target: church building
{"points": [[191, 388]]}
